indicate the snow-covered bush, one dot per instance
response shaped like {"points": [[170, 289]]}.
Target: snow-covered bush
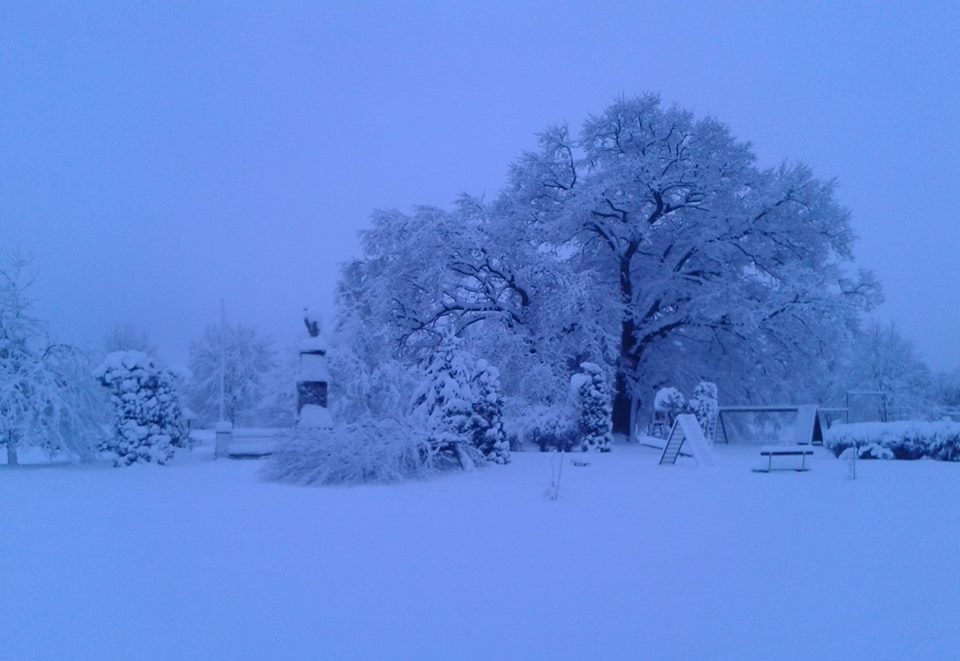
{"points": [[909, 439], [945, 446], [148, 418], [373, 451], [580, 422], [549, 427], [591, 397], [874, 451], [704, 406], [459, 401], [668, 404]]}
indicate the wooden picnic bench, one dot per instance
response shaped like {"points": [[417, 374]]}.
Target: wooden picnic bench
{"points": [[771, 451]]}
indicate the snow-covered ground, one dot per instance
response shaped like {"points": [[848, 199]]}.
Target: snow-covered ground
{"points": [[203, 560]]}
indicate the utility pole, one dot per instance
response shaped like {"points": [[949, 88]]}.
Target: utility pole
{"points": [[223, 360]]}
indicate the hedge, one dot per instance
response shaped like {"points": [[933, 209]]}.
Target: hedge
{"points": [[909, 439]]}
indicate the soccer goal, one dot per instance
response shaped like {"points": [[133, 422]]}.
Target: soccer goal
{"points": [[769, 425]]}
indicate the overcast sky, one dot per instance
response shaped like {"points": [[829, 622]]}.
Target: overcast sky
{"points": [[156, 157]]}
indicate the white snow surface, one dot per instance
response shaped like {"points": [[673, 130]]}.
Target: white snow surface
{"points": [[311, 344], [314, 416], [313, 367], [202, 559], [125, 360], [576, 381], [695, 442]]}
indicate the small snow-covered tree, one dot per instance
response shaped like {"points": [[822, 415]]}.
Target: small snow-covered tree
{"points": [[704, 405], [278, 408], [148, 418], [444, 400], [45, 396], [592, 403], [459, 401], [488, 432], [249, 360], [883, 360], [670, 402]]}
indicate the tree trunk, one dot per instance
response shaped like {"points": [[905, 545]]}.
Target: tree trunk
{"points": [[634, 407], [622, 402], [622, 398], [12, 459]]}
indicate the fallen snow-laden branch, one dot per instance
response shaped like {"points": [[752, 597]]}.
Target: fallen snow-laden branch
{"points": [[908, 439], [377, 451]]}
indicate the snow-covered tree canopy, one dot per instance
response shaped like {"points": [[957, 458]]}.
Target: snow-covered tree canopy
{"points": [[128, 337], [436, 272], [651, 241], [883, 360], [249, 361], [697, 248], [47, 396], [947, 389]]}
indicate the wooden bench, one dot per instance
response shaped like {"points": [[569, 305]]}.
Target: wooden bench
{"points": [[771, 451]]}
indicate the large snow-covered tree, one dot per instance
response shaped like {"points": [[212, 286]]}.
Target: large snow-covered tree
{"points": [[699, 251], [651, 243], [47, 396], [430, 273], [249, 362]]}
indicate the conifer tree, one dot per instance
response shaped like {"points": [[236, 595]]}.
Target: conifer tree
{"points": [[593, 405], [704, 406], [488, 434], [460, 401]]}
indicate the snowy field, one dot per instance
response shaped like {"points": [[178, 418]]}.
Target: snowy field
{"points": [[202, 560]]}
